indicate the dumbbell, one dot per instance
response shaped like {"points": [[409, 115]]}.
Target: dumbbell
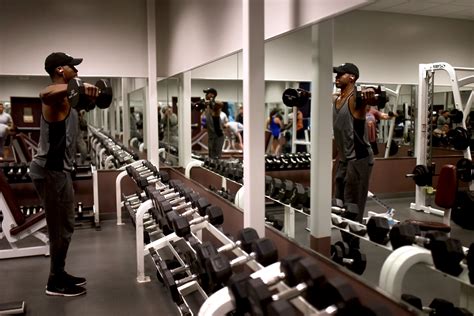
{"points": [[165, 212], [447, 255], [438, 306], [269, 163], [381, 97], [295, 97], [219, 267], [306, 279], [464, 170], [351, 258], [378, 228], [349, 210], [206, 250], [298, 196], [406, 234], [78, 99], [275, 187], [182, 227], [183, 199], [168, 275], [285, 191], [275, 223], [199, 206], [160, 177], [338, 222]]}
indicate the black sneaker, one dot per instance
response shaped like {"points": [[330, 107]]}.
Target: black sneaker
{"points": [[66, 290], [77, 281]]}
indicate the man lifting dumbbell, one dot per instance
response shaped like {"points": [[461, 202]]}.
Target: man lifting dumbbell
{"points": [[354, 151], [50, 169]]}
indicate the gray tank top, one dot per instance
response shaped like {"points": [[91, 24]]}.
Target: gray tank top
{"points": [[350, 134], [57, 143]]}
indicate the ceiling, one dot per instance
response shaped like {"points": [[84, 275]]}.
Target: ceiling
{"points": [[457, 9]]}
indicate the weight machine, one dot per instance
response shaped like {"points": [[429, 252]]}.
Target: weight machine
{"points": [[423, 122]]}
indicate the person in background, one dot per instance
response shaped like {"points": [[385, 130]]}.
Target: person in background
{"points": [[134, 132], [275, 125], [443, 118], [372, 117], [170, 125], [240, 119], [440, 136], [233, 130], [212, 113], [299, 129], [354, 153], [50, 169], [6, 123], [81, 144]]}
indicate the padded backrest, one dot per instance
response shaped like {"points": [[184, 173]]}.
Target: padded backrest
{"points": [[10, 200], [447, 187]]}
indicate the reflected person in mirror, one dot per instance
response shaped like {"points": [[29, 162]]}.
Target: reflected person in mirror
{"points": [[6, 123], [354, 153], [215, 130]]}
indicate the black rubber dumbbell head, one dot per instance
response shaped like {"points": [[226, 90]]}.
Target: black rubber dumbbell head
{"points": [[378, 229]]}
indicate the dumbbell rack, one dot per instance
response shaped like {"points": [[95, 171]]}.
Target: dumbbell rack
{"points": [[289, 211], [222, 302], [400, 260]]}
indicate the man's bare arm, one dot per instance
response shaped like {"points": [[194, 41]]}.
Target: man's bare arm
{"points": [[54, 94]]}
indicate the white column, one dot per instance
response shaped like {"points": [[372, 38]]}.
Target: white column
{"points": [[421, 143], [118, 107], [152, 106], [254, 113], [126, 110], [321, 130], [184, 119], [113, 109]]}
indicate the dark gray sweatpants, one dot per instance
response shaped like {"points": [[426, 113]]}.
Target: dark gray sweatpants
{"points": [[214, 144], [352, 182], [57, 196]]}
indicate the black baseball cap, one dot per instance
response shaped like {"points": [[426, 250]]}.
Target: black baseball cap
{"points": [[58, 59], [210, 90], [347, 68]]}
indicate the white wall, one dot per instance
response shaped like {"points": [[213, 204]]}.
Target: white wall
{"points": [[400, 43], [192, 33], [109, 34], [25, 86], [227, 90]]}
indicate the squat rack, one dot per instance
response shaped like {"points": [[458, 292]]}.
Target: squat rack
{"points": [[423, 125]]}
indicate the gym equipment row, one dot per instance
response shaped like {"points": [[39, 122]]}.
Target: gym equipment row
{"points": [[378, 227], [233, 168], [459, 78], [108, 153], [194, 270], [438, 306], [19, 172]]}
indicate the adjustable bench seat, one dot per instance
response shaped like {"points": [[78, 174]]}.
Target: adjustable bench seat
{"points": [[16, 226]]}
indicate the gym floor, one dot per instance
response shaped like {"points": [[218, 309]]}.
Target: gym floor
{"points": [[107, 259]]}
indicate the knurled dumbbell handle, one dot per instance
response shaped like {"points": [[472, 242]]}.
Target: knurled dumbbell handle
{"points": [[229, 246], [242, 259], [291, 292], [186, 279]]}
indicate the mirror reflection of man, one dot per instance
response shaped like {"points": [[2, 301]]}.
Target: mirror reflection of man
{"points": [[215, 131], [6, 123]]}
